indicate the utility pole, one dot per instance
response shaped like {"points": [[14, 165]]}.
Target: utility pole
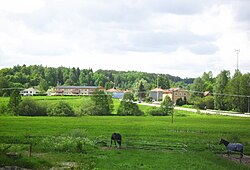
{"points": [[237, 53]]}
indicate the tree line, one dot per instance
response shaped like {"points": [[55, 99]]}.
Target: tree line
{"points": [[46, 77], [226, 92], [98, 104]]}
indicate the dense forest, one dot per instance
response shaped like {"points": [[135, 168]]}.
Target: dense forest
{"points": [[46, 77]]}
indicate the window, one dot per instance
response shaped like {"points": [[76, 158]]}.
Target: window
{"points": [[180, 94], [176, 94], [184, 94]]}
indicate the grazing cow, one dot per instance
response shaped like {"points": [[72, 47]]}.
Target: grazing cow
{"points": [[238, 147], [116, 137]]}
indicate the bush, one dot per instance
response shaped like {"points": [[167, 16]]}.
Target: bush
{"points": [[29, 107], [204, 103], [129, 109], [156, 112], [61, 109], [180, 102], [86, 108]]}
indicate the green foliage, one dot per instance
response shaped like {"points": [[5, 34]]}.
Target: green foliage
{"points": [[163, 82], [204, 103], [156, 112], [128, 108], [15, 99], [60, 109], [221, 82], [29, 107], [141, 91], [103, 103], [43, 85], [180, 101], [86, 108], [128, 97], [238, 85], [44, 77], [167, 106], [64, 144]]}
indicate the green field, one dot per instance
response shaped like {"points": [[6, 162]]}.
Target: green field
{"points": [[148, 142], [74, 101]]}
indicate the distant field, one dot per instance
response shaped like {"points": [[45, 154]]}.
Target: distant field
{"points": [[74, 101], [148, 142]]}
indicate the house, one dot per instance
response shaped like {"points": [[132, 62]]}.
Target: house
{"points": [[76, 90], [29, 92], [156, 94], [176, 93], [118, 94]]}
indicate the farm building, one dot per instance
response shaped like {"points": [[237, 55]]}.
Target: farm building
{"points": [[29, 92], [76, 90]]}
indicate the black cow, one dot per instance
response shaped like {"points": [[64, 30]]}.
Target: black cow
{"points": [[116, 137]]}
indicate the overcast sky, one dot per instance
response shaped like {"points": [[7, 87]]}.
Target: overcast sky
{"points": [[179, 37]]}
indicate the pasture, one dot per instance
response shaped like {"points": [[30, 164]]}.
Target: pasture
{"points": [[148, 142]]}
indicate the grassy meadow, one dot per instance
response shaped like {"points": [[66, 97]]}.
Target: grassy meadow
{"points": [[148, 142]]}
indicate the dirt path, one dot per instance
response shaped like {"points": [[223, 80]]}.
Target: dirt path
{"points": [[245, 160]]}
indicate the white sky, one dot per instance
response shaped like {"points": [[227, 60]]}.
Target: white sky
{"points": [[179, 37]]}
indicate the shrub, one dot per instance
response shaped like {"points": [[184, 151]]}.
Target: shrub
{"points": [[61, 109], [205, 102], [180, 102], [127, 108], [28, 107], [156, 112], [86, 108]]}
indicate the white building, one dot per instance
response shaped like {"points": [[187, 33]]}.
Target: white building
{"points": [[29, 92]]}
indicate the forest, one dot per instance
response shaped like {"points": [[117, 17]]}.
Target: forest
{"points": [[46, 77], [224, 91]]}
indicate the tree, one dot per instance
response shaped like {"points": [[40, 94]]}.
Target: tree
{"points": [[128, 108], [4, 83], [198, 87], [245, 90], [221, 82], [128, 97], [233, 88], [28, 107], [14, 101], [141, 91], [43, 85], [103, 103], [208, 81], [167, 106], [163, 82], [61, 109]]}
